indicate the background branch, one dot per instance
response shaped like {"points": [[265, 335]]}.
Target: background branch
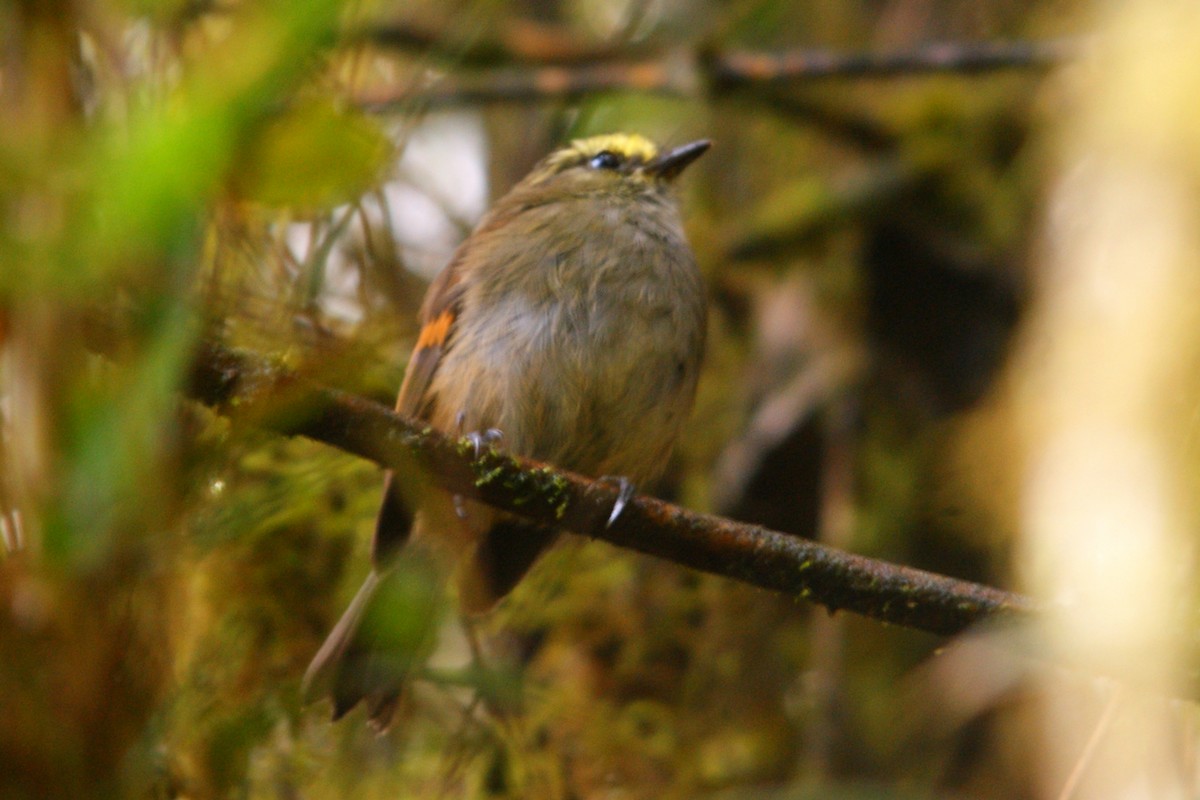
{"points": [[509, 42], [750, 68], [537, 76]]}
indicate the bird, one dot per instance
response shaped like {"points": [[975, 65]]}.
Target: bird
{"points": [[570, 325]]}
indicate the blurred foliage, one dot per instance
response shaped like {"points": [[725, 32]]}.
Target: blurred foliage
{"points": [[177, 170]]}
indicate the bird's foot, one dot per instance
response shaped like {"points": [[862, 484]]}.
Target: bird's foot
{"points": [[479, 439], [484, 439]]}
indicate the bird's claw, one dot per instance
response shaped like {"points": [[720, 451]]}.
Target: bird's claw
{"points": [[625, 491], [481, 439]]}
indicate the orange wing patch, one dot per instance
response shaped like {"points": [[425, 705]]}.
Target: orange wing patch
{"points": [[426, 355], [435, 332]]}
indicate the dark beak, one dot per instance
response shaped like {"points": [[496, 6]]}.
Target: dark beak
{"points": [[672, 162]]}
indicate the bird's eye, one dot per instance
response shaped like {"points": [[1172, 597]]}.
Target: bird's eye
{"points": [[604, 160]]}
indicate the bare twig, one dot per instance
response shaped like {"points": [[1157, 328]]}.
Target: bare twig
{"points": [[680, 73], [280, 400]]}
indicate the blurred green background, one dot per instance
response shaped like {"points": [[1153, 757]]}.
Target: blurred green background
{"points": [[287, 177]]}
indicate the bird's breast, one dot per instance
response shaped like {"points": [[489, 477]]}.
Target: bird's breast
{"points": [[583, 349]]}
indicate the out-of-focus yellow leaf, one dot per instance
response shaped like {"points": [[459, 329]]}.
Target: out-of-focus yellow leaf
{"points": [[314, 157]]}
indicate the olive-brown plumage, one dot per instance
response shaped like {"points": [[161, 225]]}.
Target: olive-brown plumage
{"points": [[572, 320]]}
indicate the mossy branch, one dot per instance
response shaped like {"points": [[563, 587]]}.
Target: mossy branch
{"points": [[275, 397]]}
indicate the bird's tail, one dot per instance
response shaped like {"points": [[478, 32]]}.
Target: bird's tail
{"points": [[370, 653]]}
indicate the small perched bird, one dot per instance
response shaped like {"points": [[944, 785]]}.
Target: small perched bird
{"points": [[570, 323]]}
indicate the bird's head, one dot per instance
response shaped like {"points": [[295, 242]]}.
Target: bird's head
{"points": [[618, 163]]}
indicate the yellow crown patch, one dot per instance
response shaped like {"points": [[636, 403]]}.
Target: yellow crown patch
{"points": [[629, 146]]}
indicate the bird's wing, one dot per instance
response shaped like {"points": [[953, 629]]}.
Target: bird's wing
{"points": [[438, 315], [440, 310]]}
